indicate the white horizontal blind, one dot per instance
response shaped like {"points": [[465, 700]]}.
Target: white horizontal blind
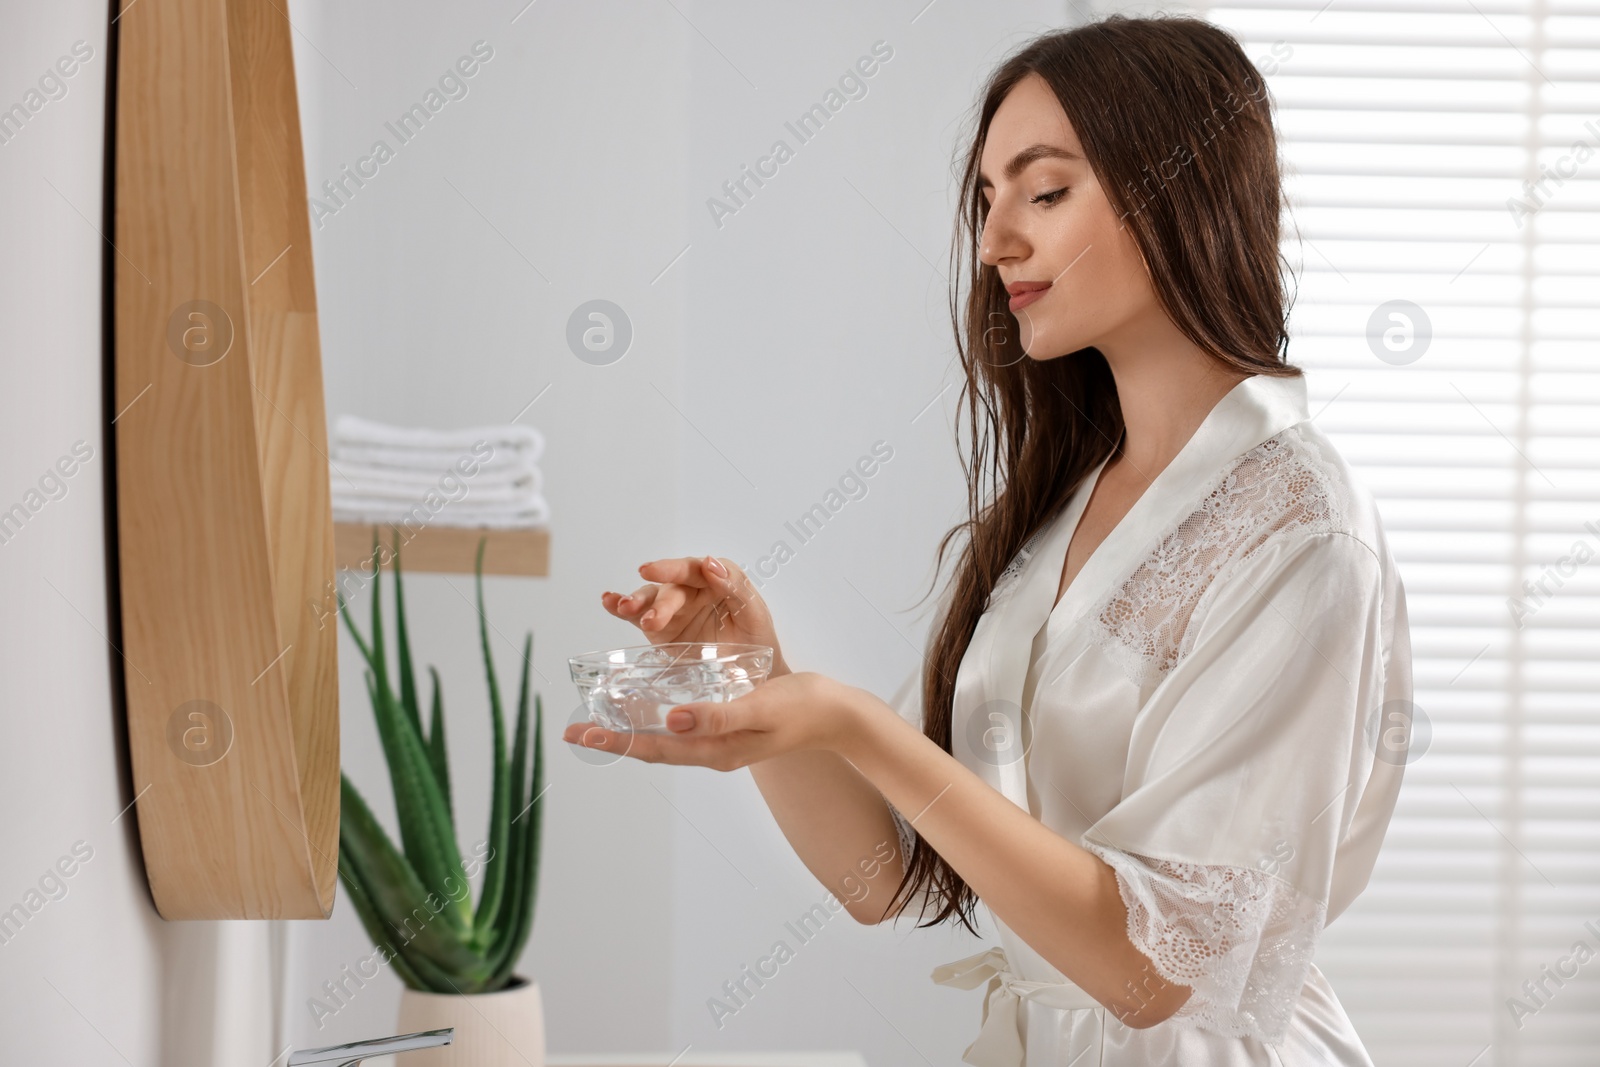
{"points": [[1408, 130]]}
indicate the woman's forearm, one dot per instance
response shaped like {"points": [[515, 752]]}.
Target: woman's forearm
{"points": [[1057, 896], [838, 824]]}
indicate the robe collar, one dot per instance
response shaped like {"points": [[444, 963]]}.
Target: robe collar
{"points": [[989, 732]]}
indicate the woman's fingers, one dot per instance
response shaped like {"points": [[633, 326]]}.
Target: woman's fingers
{"points": [[698, 731], [718, 752], [745, 714], [732, 584], [612, 602], [642, 597], [668, 600], [677, 570], [722, 577], [583, 733], [673, 607], [630, 606]]}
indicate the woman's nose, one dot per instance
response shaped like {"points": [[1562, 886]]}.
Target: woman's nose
{"points": [[998, 240]]}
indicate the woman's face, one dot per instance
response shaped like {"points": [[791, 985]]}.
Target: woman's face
{"points": [[1050, 223]]}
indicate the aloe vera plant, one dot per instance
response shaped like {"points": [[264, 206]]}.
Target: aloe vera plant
{"points": [[415, 900]]}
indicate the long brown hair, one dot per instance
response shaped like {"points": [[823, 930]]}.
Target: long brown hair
{"points": [[1177, 124]]}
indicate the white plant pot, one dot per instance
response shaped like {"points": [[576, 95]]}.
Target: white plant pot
{"points": [[500, 1029]]}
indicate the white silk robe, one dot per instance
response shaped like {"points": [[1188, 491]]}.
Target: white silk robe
{"points": [[1218, 708]]}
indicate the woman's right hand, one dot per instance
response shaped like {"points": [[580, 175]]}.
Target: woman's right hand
{"points": [[707, 599]]}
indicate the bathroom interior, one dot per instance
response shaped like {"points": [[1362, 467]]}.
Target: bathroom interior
{"points": [[578, 241]]}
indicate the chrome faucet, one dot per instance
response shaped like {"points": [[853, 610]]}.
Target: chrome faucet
{"points": [[353, 1053]]}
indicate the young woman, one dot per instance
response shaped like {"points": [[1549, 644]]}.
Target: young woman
{"points": [[1152, 704]]}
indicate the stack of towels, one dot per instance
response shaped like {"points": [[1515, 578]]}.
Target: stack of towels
{"points": [[482, 476]]}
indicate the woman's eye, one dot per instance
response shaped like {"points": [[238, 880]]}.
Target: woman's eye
{"points": [[1047, 198]]}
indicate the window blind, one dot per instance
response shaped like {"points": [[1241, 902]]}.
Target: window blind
{"points": [[1443, 161]]}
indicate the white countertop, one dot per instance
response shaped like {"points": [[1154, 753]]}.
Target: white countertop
{"points": [[690, 1059], [711, 1059]]}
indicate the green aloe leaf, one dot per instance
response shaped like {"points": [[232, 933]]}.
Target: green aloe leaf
{"points": [[494, 879], [497, 928], [425, 831], [526, 846], [434, 739], [416, 968], [344, 613], [367, 912], [438, 755], [398, 895], [408, 678]]}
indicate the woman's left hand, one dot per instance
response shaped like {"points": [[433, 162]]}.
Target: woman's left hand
{"points": [[790, 713]]}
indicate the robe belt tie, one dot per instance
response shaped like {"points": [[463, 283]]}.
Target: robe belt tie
{"points": [[998, 1043]]}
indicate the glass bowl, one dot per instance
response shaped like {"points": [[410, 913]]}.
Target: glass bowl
{"points": [[632, 689]]}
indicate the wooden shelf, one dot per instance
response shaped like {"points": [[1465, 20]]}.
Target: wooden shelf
{"points": [[446, 549]]}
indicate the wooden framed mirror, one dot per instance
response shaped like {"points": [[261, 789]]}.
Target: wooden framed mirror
{"points": [[225, 535]]}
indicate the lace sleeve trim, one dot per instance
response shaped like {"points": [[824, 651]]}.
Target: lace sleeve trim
{"points": [[919, 900], [1240, 938], [1281, 486], [908, 836]]}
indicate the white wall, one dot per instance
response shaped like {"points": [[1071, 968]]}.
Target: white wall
{"points": [[768, 355], [805, 328], [80, 982], [565, 158]]}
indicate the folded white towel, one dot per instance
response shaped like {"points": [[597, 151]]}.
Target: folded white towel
{"points": [[351, 432], [364, 477], [395, 474], [458, 513], [493, 457], [514, 495]]}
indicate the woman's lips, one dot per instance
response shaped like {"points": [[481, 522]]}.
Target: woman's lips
{"points": [[1023, 299]]}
